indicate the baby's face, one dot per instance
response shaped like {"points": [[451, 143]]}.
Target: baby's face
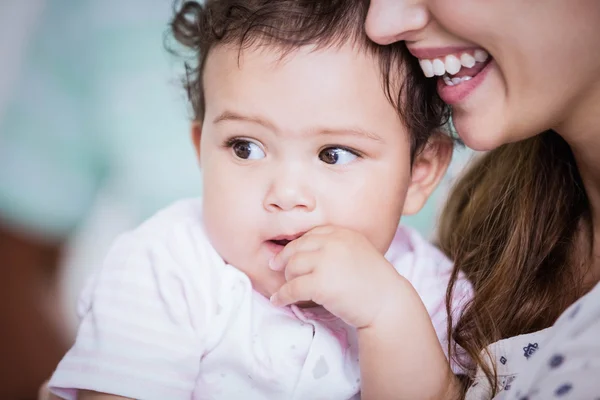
{"points": [[289, 145]]}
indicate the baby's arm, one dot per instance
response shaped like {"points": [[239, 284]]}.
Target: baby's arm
{"points": [[403, 353], [400, 352], [401, 356], [87, 395]]}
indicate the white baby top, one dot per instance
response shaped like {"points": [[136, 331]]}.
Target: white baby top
{"points": [[167, 318]]}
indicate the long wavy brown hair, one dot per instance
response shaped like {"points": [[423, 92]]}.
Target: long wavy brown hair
{"points": [[516, 224]]}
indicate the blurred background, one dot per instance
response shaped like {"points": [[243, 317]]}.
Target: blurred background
{"points": [[93, 140]]}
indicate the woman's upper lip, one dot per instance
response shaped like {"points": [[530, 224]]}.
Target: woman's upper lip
{"points": [[429, 53]]}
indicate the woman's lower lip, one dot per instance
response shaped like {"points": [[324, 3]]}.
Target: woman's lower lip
{"points": [[455, 94]]}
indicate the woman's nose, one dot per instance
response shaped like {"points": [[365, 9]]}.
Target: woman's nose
{"points": [[390, 21]]}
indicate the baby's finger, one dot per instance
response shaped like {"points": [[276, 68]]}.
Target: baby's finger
{"points": [[299, 289], [305, 243], [300, 264]]}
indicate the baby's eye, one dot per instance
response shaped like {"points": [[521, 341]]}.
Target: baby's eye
{"points": [[247, 150], [337, 155]]}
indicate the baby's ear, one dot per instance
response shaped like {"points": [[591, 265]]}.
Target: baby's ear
{"points": [[428, 169], [196, 132]]}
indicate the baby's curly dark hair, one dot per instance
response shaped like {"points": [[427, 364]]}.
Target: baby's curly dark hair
{"points": [[289, 24]]}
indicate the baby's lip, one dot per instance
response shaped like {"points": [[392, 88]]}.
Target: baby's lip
{"points": [[285, 239]]}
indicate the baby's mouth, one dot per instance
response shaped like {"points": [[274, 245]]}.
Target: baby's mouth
{"points": [[283, 240], [280, 242]]}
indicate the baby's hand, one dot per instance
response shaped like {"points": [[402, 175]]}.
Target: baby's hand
{"points": [[44, 393], [340, 270]]}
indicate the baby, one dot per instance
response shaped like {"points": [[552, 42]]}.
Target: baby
{"points": [[259, 289]]}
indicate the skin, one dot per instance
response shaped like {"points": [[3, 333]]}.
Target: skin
{"points": [[545, 75], [283, 117]]}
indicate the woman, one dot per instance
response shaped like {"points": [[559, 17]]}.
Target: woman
{"points": [[523, 80]]}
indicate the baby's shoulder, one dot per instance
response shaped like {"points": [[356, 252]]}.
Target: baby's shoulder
{"points": [[169, 255], [425, 266], [411, 253], [181, 215], [173, 240]]}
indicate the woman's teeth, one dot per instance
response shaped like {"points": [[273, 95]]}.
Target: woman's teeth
{"points": [[455, 81], [452, 64]]}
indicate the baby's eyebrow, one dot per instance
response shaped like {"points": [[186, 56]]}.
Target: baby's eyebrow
{"points": [[351, 130], [234, 116]]}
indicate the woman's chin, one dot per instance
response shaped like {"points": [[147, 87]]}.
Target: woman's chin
{"points": [[480, 134]]}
